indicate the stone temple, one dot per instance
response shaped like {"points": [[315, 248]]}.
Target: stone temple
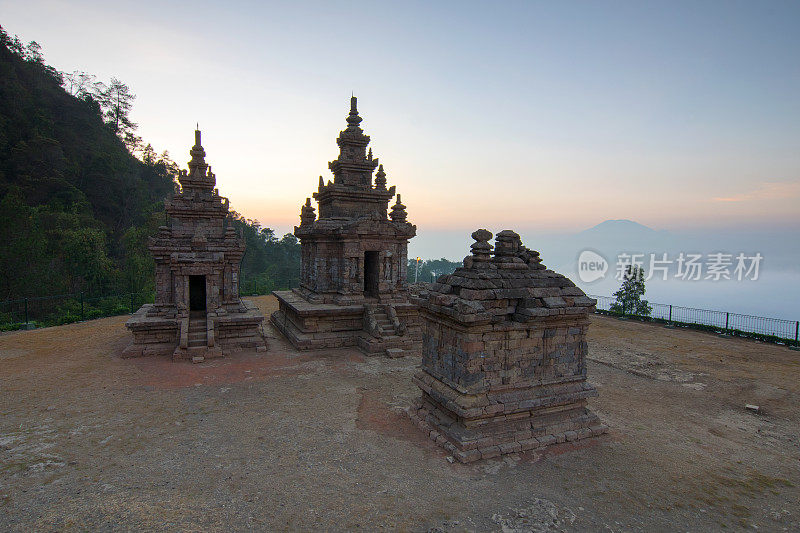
{"points": [[354, 258], [197, 312], [504, 355]]}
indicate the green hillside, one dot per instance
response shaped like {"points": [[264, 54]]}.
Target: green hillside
{"points": [[76, 206]]}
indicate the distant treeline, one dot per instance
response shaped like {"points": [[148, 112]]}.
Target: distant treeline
{"points": [[430, 269], [80, 193]]}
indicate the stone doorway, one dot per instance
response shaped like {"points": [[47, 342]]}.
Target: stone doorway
{"points": [[197, 293], [371, 268]]}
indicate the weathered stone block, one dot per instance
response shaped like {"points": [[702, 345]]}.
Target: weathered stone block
{"points": [[529, 372]]}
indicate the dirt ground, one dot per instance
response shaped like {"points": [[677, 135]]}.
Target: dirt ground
{"points": [[285, 440]]}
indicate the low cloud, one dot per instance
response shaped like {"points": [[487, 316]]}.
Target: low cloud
{"points": [[774, 190]]}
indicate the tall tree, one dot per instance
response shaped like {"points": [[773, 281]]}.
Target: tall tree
{"points": [[629, 296], [116, 100], [79, 84]]}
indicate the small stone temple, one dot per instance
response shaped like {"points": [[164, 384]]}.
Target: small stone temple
{"points": [[503, 354], [354, 258], [197, 312]]}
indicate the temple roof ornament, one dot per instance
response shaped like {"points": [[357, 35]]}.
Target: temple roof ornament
{"points": [[353, 167], [353, 120], [481, 247], [307, 213], [398, 211], [380, 177], [199, 175]]}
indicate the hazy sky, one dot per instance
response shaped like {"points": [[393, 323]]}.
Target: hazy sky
{"points": [[546, 115]]}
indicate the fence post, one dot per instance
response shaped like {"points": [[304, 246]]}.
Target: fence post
{"points": [[26, 312], [727, 319], [83, 316], [796, 331], [670, 313]]}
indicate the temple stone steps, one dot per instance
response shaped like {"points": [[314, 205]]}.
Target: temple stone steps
{"points": [[384, 324], [197, 332]]}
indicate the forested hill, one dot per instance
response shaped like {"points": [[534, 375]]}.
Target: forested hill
{"points": [[71, 191], [76, 206], [55, 148]]}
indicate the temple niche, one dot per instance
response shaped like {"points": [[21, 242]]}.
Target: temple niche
{"points": [[504, 354], [197, 312], [354, 259]]}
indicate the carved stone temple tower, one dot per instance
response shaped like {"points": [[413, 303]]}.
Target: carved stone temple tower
{"points": [[197, 312], [504, 354], [354, 258]]}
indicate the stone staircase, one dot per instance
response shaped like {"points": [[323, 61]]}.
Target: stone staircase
{"points": [[194, 344], [384, 333], [385, 327], [198, 333]]}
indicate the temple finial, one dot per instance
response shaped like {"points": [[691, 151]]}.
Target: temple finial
{"points": [[481, 247], [321, 182], [197, 166], [353, 120]]}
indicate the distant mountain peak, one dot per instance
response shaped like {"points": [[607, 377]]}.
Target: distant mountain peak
{"points": [[621, 224]]}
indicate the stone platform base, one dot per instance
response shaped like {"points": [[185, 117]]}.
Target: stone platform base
{"points": [[481, 426], [157, 335], [314, 326]]}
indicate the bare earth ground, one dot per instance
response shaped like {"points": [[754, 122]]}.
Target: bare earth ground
{"points": [[294, 441]]}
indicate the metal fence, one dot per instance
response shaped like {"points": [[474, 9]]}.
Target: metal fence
{"points": [[42, 311], [722, 321], [66, 308]]}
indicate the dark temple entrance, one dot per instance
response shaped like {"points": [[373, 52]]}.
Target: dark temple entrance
{"points": [[371, 266], [197, 293]]}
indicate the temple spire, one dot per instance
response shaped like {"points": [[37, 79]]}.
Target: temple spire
{"points": [[353, 120], [198, 162], [354, 166]]}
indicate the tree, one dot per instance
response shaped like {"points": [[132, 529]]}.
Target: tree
{"points": [[629, 296], [116, 100], [79, 84], [148, 155], [33, 53]]}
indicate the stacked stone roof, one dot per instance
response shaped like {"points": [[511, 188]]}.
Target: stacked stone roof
{"points": [[510, 285]]}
